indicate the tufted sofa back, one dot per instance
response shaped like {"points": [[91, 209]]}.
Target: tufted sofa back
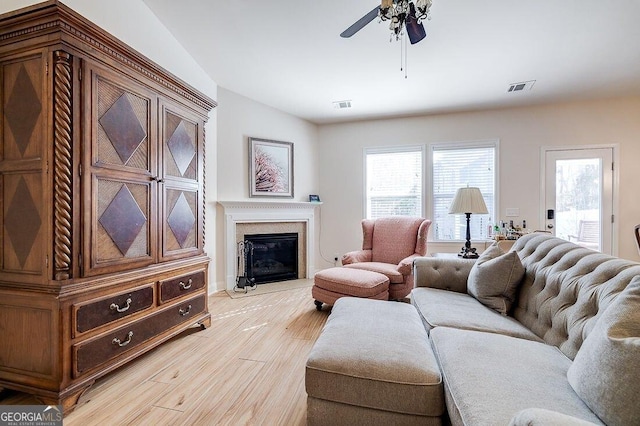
{"points": [[566, 288]]}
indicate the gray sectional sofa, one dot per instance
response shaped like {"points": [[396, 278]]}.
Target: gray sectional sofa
{"points": [[545, 334], [568, 352]]}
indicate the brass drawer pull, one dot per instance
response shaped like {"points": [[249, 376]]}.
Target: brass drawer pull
{"points": [[117, 341], [117, 308], [183, 313], [186, 286]]}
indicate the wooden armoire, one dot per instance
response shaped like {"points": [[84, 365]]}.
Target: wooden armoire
{"points": [[101, 204]]}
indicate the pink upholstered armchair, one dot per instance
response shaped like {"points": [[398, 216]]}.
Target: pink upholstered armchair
{"points": [[389, 246]]}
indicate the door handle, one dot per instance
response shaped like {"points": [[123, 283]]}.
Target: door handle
{"points": [[550, 226]]}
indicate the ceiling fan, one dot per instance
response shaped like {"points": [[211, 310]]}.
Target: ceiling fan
{"points": [[401, 14]]}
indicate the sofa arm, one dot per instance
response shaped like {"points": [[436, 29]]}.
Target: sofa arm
{"points": [[442, 273], [543, 417], [356, 256]]}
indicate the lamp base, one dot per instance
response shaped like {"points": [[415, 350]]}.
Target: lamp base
{"points": [[468, 253]]}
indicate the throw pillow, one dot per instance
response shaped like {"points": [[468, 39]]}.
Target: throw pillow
{"points": [[494, 278], [606, 371]]}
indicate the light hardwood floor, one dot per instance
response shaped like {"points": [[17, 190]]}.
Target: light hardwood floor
{"points": [[246, 369]]}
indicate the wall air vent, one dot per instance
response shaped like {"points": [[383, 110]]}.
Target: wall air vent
{"points": [[342, 104], [522, 86]]}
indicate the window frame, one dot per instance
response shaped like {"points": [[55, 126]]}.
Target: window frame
{"points": [[429, 195], [391, 150]]}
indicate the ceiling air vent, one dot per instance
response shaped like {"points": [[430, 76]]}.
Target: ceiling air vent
{"points": [[522, 86], [342, 104]]}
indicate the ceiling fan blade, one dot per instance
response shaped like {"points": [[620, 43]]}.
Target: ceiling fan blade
{"points": [[360, 23]]}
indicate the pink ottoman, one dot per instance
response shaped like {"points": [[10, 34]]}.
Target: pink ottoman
{"points": [[331, 284]]}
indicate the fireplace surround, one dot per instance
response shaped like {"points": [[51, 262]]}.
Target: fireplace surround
{"points": [[257, 217]]}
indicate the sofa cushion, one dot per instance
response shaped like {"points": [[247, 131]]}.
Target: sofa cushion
{"points": [[606, 370], [459, 310], [542, 417], [494, 278], [490, 377], [388, 269]]}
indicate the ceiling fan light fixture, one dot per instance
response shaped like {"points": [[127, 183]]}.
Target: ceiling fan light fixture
{"points": [[415, 29], [405, 13], [422, 9]]}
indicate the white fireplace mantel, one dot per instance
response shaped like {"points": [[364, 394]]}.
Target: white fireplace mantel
{"points": [[265, 211]]}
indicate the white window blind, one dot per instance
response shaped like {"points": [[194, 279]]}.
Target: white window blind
{"points": [[457, 167], [393, 182]]}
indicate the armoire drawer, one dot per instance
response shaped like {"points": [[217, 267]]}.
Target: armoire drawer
{"points": [[98, 351], [180, 286], [111, 308]]}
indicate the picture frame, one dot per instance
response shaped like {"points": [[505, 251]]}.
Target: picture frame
{"points": [[270, 168], [314, 198]]}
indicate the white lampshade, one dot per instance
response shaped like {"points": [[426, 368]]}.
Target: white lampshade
{"points": [[468, 200]]}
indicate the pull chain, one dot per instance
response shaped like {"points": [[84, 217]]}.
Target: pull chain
{"points": [[403, 54], [406, 53]]}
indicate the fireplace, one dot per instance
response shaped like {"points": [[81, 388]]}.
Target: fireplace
{"points": [[272, 257], [243, 218]]}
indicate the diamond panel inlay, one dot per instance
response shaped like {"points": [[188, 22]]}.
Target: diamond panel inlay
{"points": [[22, 221], [123, 128], [23, 109], [181, 220], [181, 147], [123, 219]]}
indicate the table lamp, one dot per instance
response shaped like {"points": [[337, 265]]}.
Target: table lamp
{"points": [[468, 200]]}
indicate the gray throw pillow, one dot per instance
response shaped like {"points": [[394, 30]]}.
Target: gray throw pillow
{"points": [[606, 370], [495, 277]]}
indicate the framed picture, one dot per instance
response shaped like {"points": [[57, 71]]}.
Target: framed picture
{"points": [[313, 198], [270, 168]]}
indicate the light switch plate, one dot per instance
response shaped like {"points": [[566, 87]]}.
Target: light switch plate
{"points": [[513, 212]]}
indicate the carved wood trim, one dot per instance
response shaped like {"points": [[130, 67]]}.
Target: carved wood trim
{"points": [[62, 165], [204, 183]]}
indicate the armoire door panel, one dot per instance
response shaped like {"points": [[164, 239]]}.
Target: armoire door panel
{"points": [[181, 221], [123, 124], [23, 230], [23, 112], [181, 144], [123, 222]]}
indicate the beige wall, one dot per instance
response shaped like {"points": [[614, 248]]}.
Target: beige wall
{"points": [[329, 158], [238, 119], [522, 133]]}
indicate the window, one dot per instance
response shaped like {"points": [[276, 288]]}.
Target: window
{"points": [[456, 166], [393, 182]]}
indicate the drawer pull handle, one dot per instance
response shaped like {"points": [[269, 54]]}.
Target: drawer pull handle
{"points": [[186, 286], [117, 308], [117, 341], [183, 313]]}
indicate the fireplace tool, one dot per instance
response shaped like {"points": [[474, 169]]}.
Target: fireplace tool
{"points": [[243, 280]]}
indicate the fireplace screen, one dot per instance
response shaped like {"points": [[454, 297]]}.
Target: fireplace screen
{"points": [[273, 257]]}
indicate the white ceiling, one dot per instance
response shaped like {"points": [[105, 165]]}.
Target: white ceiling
{"points": [[288, 54]]}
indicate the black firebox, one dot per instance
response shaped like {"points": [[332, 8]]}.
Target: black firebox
{"points": [[272, 257]]}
